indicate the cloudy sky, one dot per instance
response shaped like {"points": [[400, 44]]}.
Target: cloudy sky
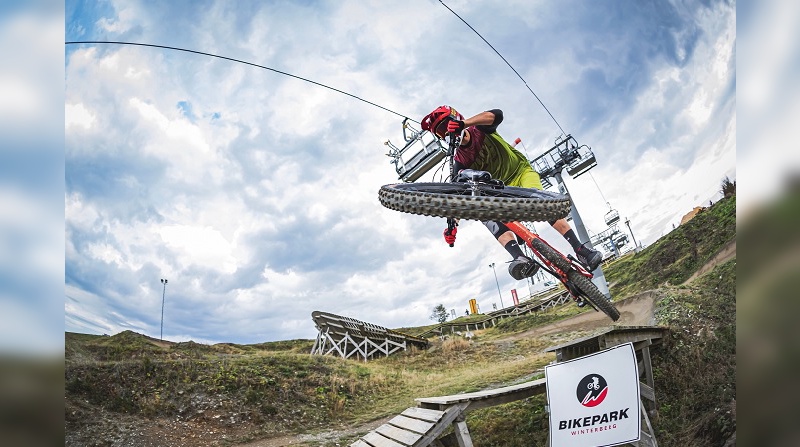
{"points": [[255, 193]]}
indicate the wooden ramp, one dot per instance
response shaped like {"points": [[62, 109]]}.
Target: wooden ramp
{"points": [[414, 427], [349, 337], [422, 426], [485, 398]]}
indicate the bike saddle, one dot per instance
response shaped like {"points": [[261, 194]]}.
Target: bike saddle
{"points": [[471, 174]]}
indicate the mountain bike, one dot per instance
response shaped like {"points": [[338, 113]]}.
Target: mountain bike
{"points": [[474, 195]]}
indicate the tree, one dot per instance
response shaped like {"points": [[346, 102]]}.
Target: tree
{"points": [[728, 187], [439, 314]]}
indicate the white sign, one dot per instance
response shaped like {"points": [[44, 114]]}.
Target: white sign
{"points": [[594, 400]]}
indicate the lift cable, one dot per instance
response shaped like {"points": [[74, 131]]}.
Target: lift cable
{"points": [[600, 191], [239, 61], [526, 85], [507, 63]]}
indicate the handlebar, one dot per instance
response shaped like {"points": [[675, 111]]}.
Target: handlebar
{"points": [[454, 142]]}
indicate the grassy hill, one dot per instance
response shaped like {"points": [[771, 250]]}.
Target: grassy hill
{"points": [[676, 256], [134, 389]]}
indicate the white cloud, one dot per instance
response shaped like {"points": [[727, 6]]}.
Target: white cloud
{"points": [[202, 245], [78, 115]]}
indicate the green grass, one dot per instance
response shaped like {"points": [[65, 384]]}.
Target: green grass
{"points": [[675, 257], [696, 373]]}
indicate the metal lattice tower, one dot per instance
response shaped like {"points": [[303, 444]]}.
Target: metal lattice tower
{"points": [[577, 159]]}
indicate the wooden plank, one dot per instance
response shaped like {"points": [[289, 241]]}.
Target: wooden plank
{"points": [[423, 414], [615, 336], [448, 417], [649, 438], [378, 440], [647, 392], [398, 434], [504, 399], [641, 344], [462, 434], [648, 366], [487, 397], [411, 424]]}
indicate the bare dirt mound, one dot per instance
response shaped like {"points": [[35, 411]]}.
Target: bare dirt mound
{"points": [[634, 311]]}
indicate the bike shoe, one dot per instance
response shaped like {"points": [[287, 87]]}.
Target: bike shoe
{"points": [[522, 268], [588, 257], [580, 303]]}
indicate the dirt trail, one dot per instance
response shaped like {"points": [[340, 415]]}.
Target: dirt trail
{"points": [[634, 311], [305, 439], [724, 254]]}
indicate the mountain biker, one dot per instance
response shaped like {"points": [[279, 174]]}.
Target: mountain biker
{"points": [[483, 149]]}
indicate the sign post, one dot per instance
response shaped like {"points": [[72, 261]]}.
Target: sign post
{"points": [[594, 400]]}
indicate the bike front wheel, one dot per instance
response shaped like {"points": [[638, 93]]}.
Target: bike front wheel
{"points": [[590, 292], [456, 200]]}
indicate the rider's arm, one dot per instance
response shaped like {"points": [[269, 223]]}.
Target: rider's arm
{"points": [[487, 121], [458, 166]]}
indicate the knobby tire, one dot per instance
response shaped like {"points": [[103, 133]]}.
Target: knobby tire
{"points": [[586, 287], [551, 255], [455, 200], [591, 293]]}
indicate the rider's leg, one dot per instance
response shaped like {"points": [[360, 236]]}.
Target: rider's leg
{"points": [[505, 237], [521, 266], [562, 226], [592, 258]]}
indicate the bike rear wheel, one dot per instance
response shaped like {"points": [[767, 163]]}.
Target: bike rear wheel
{"points": [[584, 285], [455, 200], [590, 292]]}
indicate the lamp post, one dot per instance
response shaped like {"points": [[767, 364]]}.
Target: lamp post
{"points": [[635, 244], [498, 286], [163, 294]]}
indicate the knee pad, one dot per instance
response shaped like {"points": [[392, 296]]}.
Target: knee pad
{"points": [[496, 228]]}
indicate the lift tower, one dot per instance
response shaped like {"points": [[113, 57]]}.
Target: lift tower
{"points": [[577, 160]]}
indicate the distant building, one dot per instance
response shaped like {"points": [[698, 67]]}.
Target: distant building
{"points": [[690, 215]]}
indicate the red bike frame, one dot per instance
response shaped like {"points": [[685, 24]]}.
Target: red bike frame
{"points": [[528, 236]]}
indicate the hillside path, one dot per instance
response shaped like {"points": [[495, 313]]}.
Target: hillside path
{"points": [[725, 254], [315, 439]]}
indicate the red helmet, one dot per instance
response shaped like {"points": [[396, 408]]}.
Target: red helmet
{"points": [[436, 121]]}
